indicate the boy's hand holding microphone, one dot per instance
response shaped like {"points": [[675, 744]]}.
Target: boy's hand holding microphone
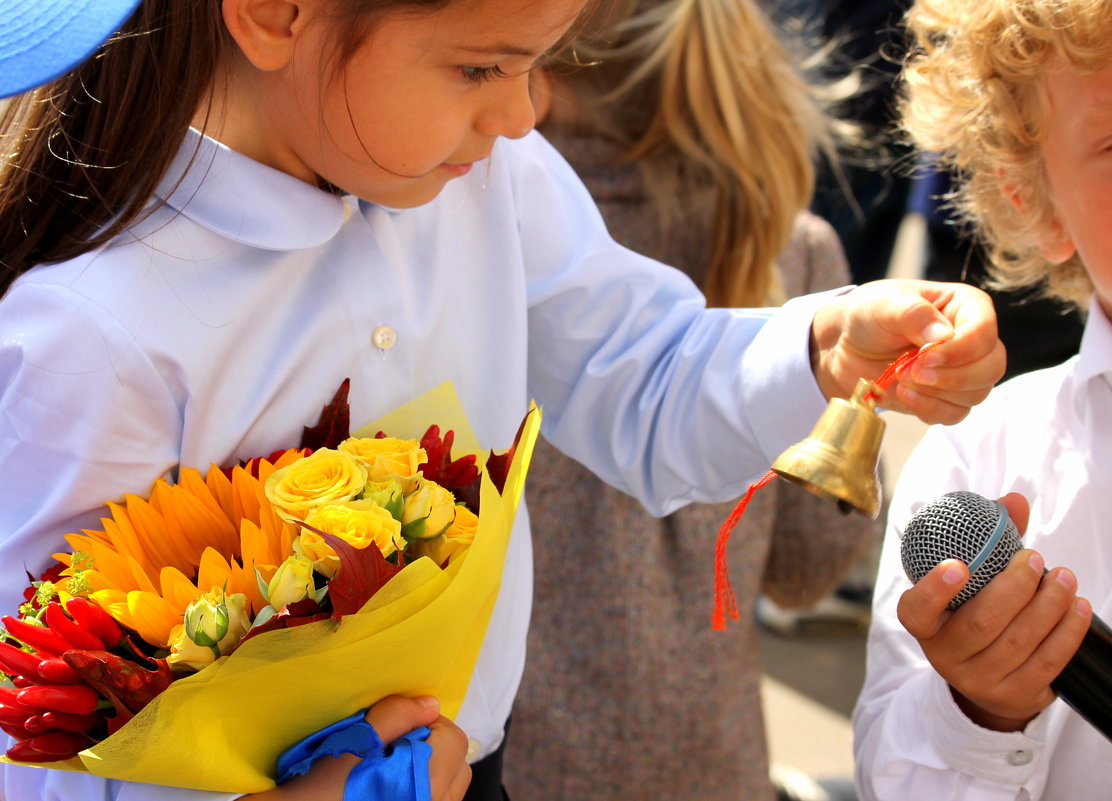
{"points": [[1006, 634]]}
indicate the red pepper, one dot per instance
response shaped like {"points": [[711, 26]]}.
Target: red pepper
{"points": [[17, 662], [63, 743], [9, 698], [58, 672], [23, 751], [36, 725], [77, 699], [78, 638], [22, 681], [68, 722], [12, 716], [16, 731], [95, 619], [38, 637]]}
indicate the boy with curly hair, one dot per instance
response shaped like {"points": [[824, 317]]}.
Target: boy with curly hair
{"points": [[1016, 97]]}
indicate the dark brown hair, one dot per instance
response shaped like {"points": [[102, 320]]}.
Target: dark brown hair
{"points": [[84, 154]]}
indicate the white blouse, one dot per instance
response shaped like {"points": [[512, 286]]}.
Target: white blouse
{"points": [[218, 327]]}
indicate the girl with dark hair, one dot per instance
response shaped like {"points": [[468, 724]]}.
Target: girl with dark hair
{"points": [[236, 204]]}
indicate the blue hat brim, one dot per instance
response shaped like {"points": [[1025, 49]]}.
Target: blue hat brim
{"points": [[41, 40]]}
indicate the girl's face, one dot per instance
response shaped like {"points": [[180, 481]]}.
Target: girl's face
{"points": [[422, 99], [1077, 153]]}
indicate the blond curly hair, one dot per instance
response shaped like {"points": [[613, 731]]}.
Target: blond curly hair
{"points": [[974, 94]]}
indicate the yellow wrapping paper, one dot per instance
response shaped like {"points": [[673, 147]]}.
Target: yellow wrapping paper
{"points": [[223, 728]]}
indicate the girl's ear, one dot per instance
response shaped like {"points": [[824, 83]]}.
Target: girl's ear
{"points": [[1055, 243], [266, 30]]}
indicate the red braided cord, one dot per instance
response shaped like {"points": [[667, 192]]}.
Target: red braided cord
{"points": [[891, 371]]}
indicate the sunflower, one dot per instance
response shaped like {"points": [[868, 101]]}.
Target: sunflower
{"points": [[155, 557]]}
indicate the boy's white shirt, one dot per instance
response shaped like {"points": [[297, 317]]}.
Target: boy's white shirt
{"points": [[221, 326], [1046, 435]]}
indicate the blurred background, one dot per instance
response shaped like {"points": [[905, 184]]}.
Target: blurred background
{"points": [[815, 664]]}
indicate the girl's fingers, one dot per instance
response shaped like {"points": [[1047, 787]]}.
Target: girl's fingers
{"points": [[940, 392], [932, 408], [395, 716], [938, 373], [449, 773]]}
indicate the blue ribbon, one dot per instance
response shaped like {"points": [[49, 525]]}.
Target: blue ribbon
{"points": [[396, 771]]}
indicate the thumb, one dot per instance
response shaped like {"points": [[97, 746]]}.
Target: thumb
{"points": [[921, 322], [1019, 510], [395, 715], [924, 608]]}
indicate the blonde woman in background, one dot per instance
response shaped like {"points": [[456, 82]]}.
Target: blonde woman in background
{"points": [[696, 133]]}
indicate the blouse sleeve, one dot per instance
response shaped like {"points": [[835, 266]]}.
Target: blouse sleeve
{"points": [[656, 394], [84, 417]]}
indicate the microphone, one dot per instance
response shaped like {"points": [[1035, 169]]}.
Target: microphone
{"points": [[979, 532]]}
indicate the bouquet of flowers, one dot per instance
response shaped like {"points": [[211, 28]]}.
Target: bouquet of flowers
{"points": [[274, 597]]}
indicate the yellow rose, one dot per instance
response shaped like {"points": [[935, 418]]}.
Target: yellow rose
{"points": [[292, 582], [429, 510], [186, 653], [327, 476], [214, 624], [358, 523], [387, 456], [459, 536], [312, 546], [387, 494]]}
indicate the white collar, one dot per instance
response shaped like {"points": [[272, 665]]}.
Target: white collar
{"points": [[1095, 356], [244, 200]]}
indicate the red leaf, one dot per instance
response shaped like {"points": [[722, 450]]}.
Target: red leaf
{"points": [[130, 686], [252, 465], [439, 465], [334, 425], [362, 573], [458, 476], [296, 614], [498, 464]]}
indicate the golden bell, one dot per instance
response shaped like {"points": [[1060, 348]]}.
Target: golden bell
{"points": [[839, 461]]}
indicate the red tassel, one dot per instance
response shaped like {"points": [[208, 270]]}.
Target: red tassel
{"points": [[725, 603]]}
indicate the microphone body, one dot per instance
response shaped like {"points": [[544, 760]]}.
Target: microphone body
{"points": [[979, 532]]}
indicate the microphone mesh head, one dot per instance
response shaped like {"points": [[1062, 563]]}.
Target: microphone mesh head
{"points": [[965, 526]]}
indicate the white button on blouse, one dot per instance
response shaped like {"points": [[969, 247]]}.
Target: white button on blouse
{"points": [[384, 337]]}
